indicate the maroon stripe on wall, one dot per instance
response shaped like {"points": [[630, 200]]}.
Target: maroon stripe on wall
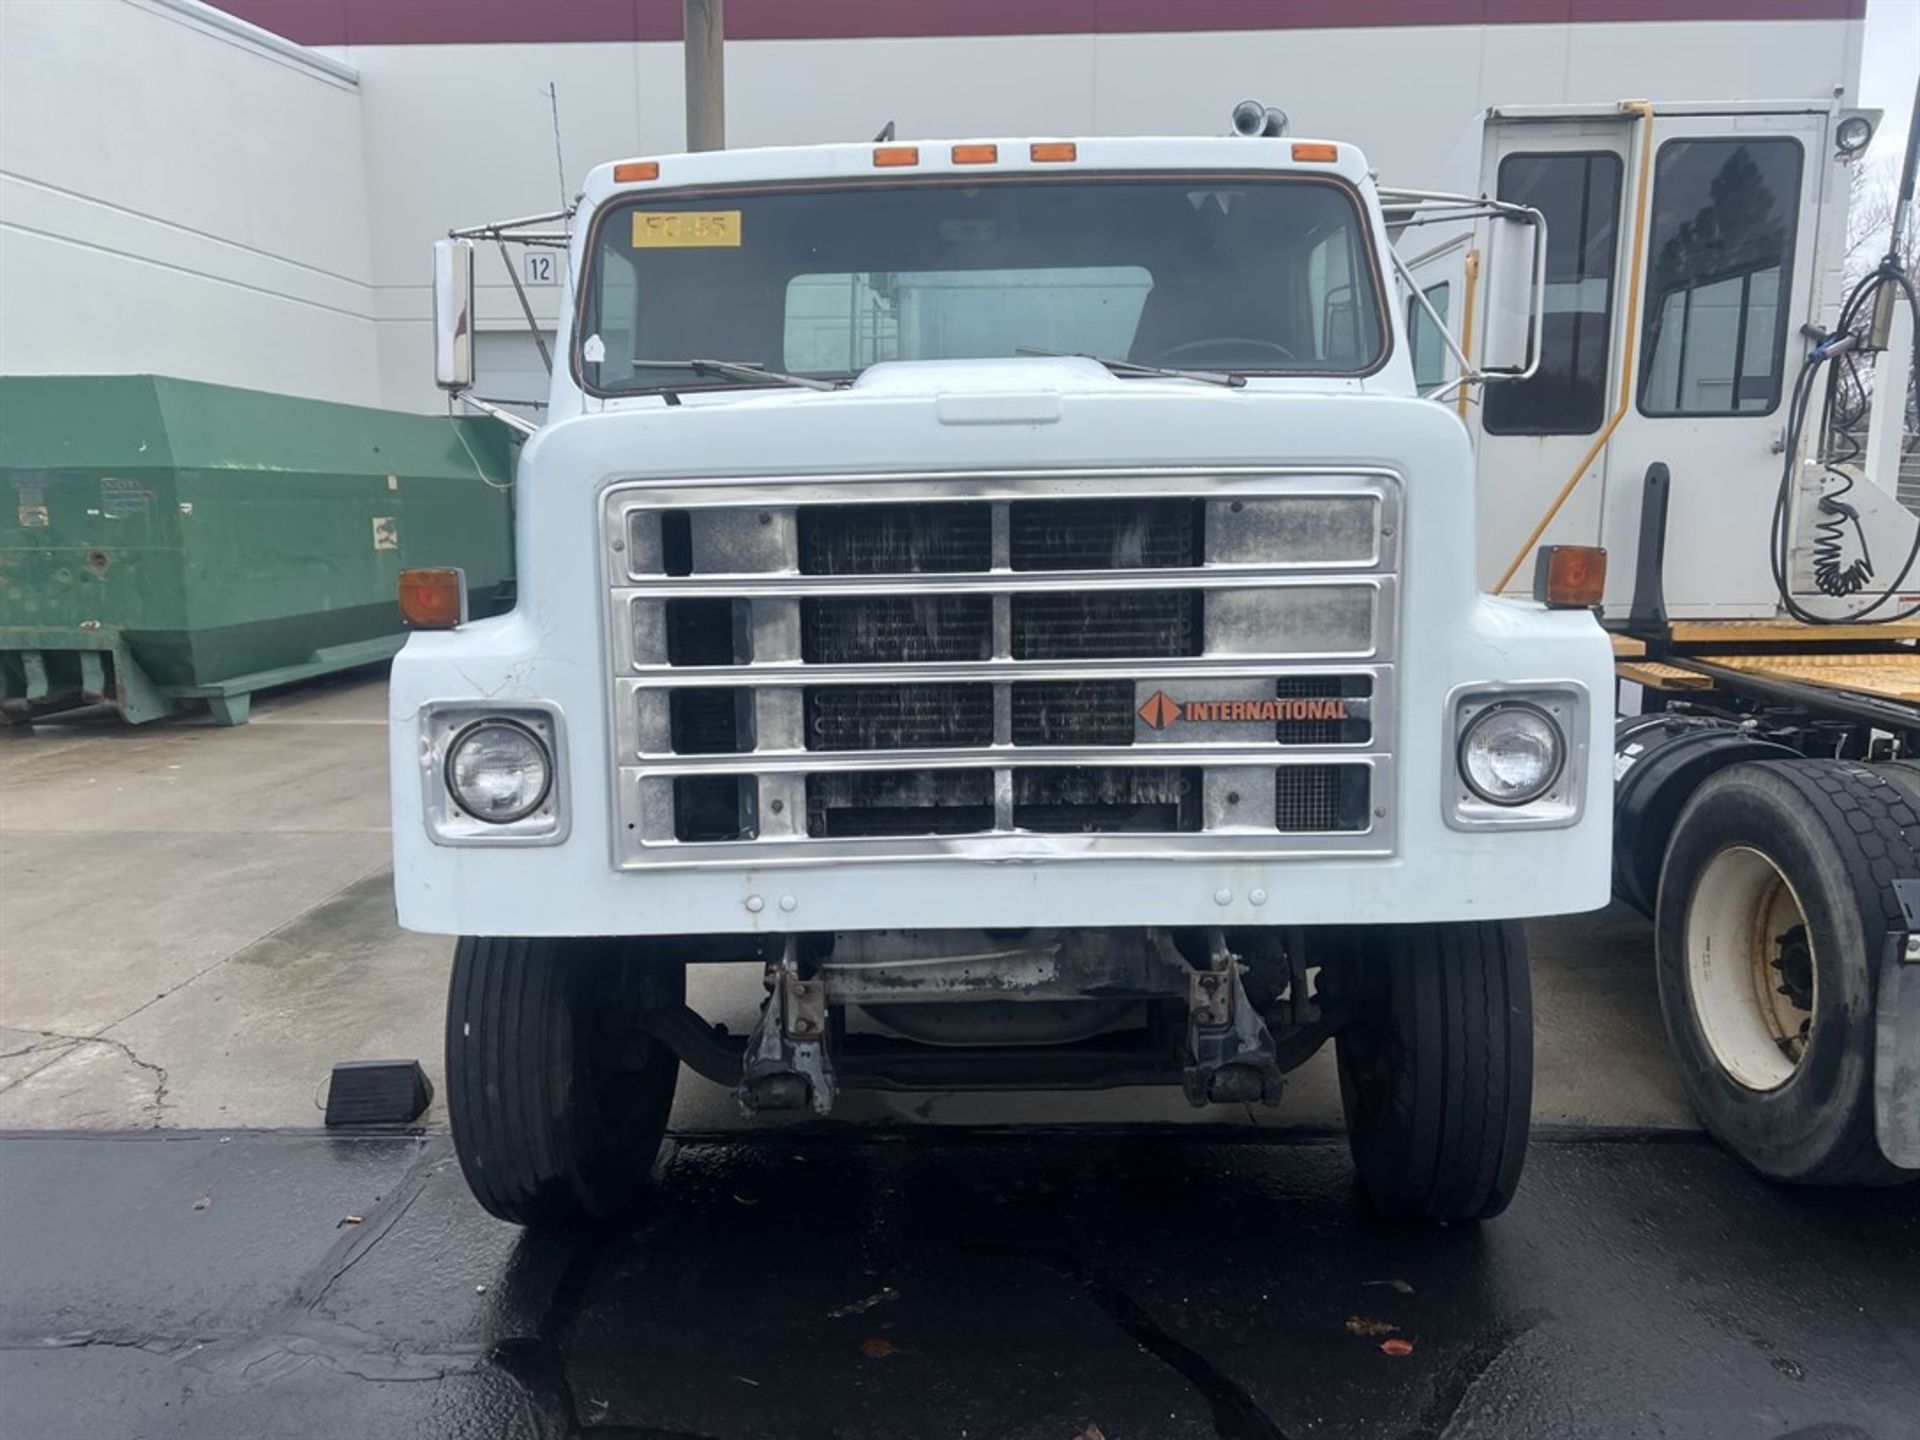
{"points": [[484, 22]]}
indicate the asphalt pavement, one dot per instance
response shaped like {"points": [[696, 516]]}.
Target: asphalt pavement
{"points": [[1131, 1285]]}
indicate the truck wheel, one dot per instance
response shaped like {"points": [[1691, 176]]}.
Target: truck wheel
{"points": [[558, 1101], [1775, 900], [1436, 1068]]}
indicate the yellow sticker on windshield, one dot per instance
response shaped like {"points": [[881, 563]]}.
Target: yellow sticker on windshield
{"points": [[685, 229]]}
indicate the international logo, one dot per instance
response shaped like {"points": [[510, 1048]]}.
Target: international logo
{"points": [[1162, 711]]}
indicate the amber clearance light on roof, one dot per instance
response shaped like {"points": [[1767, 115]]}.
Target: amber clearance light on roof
{"points": [[1317, 154], [975, 154], [1052, 151], [886, 155], [636, 170]]}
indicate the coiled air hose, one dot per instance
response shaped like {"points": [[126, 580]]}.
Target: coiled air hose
{"points": [[1833, 573]]}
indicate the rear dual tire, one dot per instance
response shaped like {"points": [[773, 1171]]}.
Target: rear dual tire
{"points": [[557, 1097], [1776, 900], [1436, 1067]]}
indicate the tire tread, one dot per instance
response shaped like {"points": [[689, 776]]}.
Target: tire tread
{"points": [[516, 1123], [1465, 1019]]}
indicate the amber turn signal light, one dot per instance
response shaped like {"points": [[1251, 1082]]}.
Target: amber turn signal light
{"points": [[433, 599], [1569, 577], [636, 170]]}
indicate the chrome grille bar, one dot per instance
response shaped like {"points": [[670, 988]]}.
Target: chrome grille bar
{"points": [[1288, 589]]}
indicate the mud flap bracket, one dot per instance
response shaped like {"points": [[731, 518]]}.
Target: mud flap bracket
{"points": [[787, 1064], [1230, 1052]]}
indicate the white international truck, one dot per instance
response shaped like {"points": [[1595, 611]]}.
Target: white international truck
{"points": [[1016, 594]]}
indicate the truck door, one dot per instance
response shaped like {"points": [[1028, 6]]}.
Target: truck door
{"points": [[1533, 433], [1729, 276], [1440, 276]]}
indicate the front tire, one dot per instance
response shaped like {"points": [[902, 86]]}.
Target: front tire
{"points": [[1776, 899], [558, 1099], [1436, 1067]]}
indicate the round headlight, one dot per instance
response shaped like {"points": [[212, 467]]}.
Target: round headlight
{"points": [[499, 771], [1511, 754], [1851, 135]]}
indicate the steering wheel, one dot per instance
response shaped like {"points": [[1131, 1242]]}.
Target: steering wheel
{"points": [[1220, 352]]}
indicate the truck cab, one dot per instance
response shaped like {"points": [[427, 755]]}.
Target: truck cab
{"points": [[1013, 593]]}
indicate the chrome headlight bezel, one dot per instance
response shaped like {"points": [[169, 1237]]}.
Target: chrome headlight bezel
{"points": [[1560, 803], [444, 725]]}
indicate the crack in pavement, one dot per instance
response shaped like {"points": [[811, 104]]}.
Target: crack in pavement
{"points": [[157, 1104], [1456, 1384], [538, 1362], [72, 1042], [1236, 1414], [351, 1249], [91, 1340]]}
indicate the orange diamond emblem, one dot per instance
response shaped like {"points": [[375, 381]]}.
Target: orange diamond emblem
{"points": [[1161, 710]]}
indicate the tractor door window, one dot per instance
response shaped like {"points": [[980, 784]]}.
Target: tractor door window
{"points": [[1429, 350], [1719, 276], [1580, 196]]}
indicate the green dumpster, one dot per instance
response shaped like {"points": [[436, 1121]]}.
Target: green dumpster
{"points": [[165, 542]]}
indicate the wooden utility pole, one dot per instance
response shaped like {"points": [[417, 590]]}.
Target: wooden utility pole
{"points": [[705, 44]]}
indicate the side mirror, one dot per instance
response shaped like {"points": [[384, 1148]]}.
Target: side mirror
{"points": [[1516, 293], [453, 314]]}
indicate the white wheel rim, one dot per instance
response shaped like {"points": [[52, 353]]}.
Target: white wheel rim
{"points": [[1738, 917]]}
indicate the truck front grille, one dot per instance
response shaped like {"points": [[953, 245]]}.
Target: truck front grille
{"points": [[898, 717], [1170, 664], [1106, 626], [1104, 534]]}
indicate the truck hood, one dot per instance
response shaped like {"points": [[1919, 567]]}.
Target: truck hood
{"points": [[1029, 412]]}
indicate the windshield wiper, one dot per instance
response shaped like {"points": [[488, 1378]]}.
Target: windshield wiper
{"points": [[737, 370], [1228, 378]]}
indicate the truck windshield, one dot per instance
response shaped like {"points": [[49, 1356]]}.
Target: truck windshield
{"points": [[1254, 274]]}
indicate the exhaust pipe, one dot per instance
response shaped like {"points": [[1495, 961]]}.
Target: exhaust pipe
{"points": [[1257, 121]]}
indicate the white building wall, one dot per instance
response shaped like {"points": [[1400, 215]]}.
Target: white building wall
{"points": [[173, 228], [458, 134], [179, 195]]}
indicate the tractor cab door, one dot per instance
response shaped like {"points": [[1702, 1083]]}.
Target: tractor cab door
{"points": [[1696, 359], [1730, 274], [1440, 277], [1532, 434]]}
